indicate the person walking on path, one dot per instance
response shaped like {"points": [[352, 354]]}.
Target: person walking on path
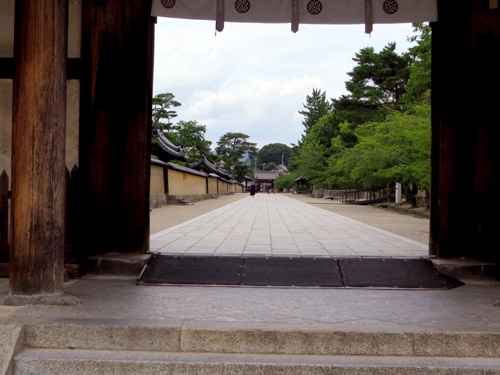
{"points": [[252, 190]]}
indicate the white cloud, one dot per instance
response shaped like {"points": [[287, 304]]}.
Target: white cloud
{"points": [[254, 78]]}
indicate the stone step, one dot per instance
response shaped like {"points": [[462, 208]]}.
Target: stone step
{"points": [[115, 265], [205, 337], [83, 362]]}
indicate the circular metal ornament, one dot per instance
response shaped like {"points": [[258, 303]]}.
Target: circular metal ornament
{"points": [[390, 6], [314, 7], [168, 3], [242, 6]]}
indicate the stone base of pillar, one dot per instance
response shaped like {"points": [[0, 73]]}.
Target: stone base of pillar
{"points": [[469, 270], [56, 300]]}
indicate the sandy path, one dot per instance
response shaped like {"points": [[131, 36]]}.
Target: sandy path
{"points": [[170, 215], [409, 226]]}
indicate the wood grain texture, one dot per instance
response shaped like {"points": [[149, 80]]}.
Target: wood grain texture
{"points": [[116, 90], [38, 147], [465, 160]]}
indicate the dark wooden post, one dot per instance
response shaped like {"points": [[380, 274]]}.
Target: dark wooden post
{"points": [[38, 147], [465, 161], [4, 216], [115, 125]]}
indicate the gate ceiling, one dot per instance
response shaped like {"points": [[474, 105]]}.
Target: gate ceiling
{"points": [[299, 11]]}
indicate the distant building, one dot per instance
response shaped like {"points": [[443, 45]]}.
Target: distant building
{"points": [[264, 180]]}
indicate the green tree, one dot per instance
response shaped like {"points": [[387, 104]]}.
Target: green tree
{"points": [[395, 150], [270, 166], [275, 153], [325, 129], [231, 147], [379, 78], [377, 83], [380, 131], [316, 106], [285, 181], [312, 160], [213, 157], [419, 82], [191, 136], [162, 104]]}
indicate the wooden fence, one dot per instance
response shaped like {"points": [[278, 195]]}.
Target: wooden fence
{"points": [[71, 218], [364, 196]]}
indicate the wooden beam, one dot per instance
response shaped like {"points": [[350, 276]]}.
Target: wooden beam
{"points": [[7, 68], [115, 123], [38, 147], [466, 57]]}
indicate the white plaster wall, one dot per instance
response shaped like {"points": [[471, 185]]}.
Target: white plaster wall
{"points": [[74, 28], [7, 28], [73, 95]]}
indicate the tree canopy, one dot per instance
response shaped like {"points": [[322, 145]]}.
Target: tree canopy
{"points": [[191, 137], [285, 181], [274, 153], [376, 83], [379, 78], [162, 104], [419, 82], [379, 133], [316, 106], [397, 149], [231, 147]]}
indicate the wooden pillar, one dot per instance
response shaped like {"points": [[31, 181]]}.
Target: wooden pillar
{"points": [[38, 147], [115, 125], [465, 161]]}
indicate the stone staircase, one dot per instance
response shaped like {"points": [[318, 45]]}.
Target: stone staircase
{"points": [[116, 347]]}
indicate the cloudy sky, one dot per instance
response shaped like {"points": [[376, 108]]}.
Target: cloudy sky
{"points": [[254, 78]]}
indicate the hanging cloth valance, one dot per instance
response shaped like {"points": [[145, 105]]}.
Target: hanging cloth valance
{"points": [[366, 12]]}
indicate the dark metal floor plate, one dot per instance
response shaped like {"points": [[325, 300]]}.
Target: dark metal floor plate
{"points": [[394, 273], [295, 271], [206, 270], [283, 271]]}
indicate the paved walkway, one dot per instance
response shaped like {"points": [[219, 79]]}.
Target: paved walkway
{"points": [[273, 224]]}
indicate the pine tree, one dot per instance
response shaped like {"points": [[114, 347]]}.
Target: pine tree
{"points": [[316, 106], [162, 104]]}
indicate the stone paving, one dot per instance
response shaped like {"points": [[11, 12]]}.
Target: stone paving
{"points": [[276, 225]]}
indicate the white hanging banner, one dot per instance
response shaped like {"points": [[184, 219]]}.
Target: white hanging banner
{"points": [[308, 12]]}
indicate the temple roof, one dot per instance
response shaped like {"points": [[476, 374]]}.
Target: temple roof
{"points": [[205, 165], [181, 168], [301, 180], [266, 175], [170, 151]]}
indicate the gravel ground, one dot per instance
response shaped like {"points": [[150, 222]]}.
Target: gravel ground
{"points": [[409, 226]]}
